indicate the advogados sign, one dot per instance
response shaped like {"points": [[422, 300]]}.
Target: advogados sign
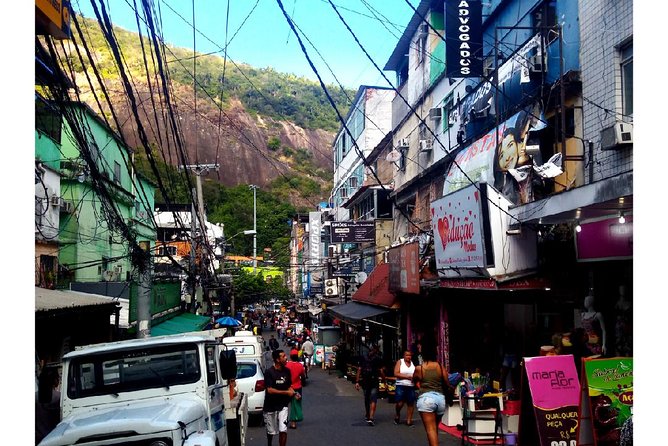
{"points": [[463, 38], [460, 222]]}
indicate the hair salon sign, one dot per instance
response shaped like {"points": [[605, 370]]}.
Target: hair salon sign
{"points": [[458, 223]]}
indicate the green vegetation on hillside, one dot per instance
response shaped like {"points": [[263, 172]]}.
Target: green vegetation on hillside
{"points": [[262, 90], [233, 206]]}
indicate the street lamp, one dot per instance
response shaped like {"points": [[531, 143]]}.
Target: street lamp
{"points": [[254, 187], [225, 240]]}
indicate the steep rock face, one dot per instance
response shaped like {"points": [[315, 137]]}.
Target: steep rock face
{"points": [[233, 138]]}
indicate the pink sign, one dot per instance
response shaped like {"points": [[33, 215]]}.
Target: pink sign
{"points": [[456, 220], [605, 239], [555, 391]]}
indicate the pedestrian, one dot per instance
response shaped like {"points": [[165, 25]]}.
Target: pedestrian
{"points": [[297, 374], [47, 403], [279, 391], [368, 372], [431, 378], [273, 343], [308, 348], [405, 390]]}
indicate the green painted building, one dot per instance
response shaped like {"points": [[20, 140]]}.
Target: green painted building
{"points": [[92, 247]]}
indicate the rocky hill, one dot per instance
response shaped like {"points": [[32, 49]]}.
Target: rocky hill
{"points": [[260, 126]]}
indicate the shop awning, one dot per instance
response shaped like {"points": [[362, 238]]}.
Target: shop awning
{"points": [[376, 289], [183, 323], [353, 312]]}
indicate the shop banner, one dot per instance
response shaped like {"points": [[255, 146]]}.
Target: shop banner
{"points": [[610, 387], [404, 268], [457, 221], [555, 391], [463, 38], [605, 240], [319, 353], [315, 226], [353, 231]]}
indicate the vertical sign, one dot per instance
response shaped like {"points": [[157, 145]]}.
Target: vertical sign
{"points": [[404, 269], [315, 225], [610, 386], [463, 38], [555, 391]]}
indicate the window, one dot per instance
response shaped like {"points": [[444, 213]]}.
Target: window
{"points": [[167, 251], [626, 53], [48, 119], [211, 378], [447, 119], [543, 17], [117, 173], [402, 160], [133, 369], [421, 47]]}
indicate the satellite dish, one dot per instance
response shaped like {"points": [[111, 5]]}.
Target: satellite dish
{"points": [[360, 277], [393, 156]]}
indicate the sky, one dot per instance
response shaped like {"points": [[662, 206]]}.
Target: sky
{"points": [[266, 40]]}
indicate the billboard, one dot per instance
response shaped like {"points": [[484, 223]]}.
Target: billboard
{"points": [[404, 268], [494, 158], [460, 223], [353, 231], [463, 38]]}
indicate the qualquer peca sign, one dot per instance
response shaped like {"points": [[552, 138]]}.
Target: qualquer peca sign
{"points": [[459, 222]]}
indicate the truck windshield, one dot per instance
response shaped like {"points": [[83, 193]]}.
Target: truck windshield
{"points": [[133, 369]]}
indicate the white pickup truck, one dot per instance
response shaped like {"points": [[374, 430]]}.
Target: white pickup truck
{"points": [[173, 390]]}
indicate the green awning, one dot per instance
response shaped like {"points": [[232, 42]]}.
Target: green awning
{"points": [[183, 323]]}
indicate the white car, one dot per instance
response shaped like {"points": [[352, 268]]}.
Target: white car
{"points": [[250, 381]]}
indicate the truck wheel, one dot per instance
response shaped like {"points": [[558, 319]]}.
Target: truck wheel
{"points": [[233, 434]]}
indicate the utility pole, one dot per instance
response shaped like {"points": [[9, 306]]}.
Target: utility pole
{"points": [[198, 170], [193, 280], [254, 187], [144, 292]]}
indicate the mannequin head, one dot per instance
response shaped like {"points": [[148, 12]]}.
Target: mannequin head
{"points": [[589, 302]]}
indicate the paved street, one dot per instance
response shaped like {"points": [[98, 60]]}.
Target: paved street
{"points": [[334, 413]]}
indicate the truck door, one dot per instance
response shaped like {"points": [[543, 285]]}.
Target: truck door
{"points": [[215, 393]]}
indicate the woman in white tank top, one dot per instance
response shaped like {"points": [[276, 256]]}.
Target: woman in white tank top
{"points": [[405, 391]]}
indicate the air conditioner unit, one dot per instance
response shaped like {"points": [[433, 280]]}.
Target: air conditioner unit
{"points": [[480, 114], [118, 269], [403, 142], [425, 145], [56, 200], [66, 206], [435, 113], [331, 287], [617, 135], [109, 276], [537, 64]]}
